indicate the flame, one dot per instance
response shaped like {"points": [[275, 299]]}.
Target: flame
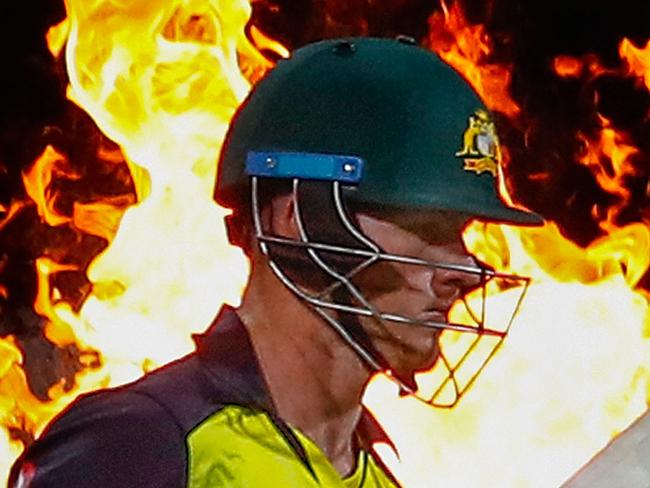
{"points": [[572, 67], [567, 66], [637, 59], [609, 154], [37, 181], [14, 207], [164, 88], [264, 42], [56, 329], [20, 411], [162, 79], [17, 404], [56, 37], [608, 157], [467, 48], [637, 64], [101, 218]]}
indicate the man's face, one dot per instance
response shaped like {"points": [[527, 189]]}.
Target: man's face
{"points": [[416, 291]]}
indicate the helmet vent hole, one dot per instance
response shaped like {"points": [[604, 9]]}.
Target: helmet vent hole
{"points": [[344, 48], [406, 40]]}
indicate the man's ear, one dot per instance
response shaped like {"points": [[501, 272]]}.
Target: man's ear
{"points": [[281, 217], [239, 231], [277, 218]]}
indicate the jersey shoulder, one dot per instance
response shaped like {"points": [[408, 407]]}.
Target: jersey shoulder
{"points": [[128, 436]]}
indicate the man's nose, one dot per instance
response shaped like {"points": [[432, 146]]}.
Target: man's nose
{"points": [[450, 283]]}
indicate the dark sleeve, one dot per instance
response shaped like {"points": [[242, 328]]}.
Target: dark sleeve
{"points": [[111, 439]]}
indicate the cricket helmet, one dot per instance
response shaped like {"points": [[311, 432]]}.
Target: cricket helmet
{"points": [[376, 123], [424, 137]]}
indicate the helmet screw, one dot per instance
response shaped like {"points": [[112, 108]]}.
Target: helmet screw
{"points": [[406, 40], [344, 48], [270, 162], [349, 167]]}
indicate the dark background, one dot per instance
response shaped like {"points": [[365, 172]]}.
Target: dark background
{"points": [[542, 141]]}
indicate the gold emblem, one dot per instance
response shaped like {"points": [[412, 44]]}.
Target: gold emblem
{"points": [[480, 144]]}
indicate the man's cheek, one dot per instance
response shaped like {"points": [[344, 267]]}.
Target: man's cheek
{"points": [[408, 303], [379, 279]]}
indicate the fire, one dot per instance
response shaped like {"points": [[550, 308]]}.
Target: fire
{"points": [[12, 381], [37, 181], [56, 37], [11, 212], [568, 66], [20, 411], [56, 329], [101, 218], [162, 79], [467, 48], [608, 158], [573, 67], [638, 60]]}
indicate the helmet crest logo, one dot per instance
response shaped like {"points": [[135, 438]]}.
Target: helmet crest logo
{"points": [[480, 144]]}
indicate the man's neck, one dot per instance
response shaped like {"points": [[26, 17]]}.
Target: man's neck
{"points": [[316, 381]]}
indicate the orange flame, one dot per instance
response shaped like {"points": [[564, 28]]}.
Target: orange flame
{"points": [[162, 79], [101, 218], [608, 158], [18, 407], [568, 66], [264, 42], [57, 330], [57, 36], [20, 411], [467, 48], [37, 181], [11, 212], [638, 60]]}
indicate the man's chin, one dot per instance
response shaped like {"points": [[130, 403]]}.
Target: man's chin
{"points": [[424, 359], [407, 376], [409, 381]]}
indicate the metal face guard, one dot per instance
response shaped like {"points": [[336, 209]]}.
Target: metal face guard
{"points": [[456, 369]]}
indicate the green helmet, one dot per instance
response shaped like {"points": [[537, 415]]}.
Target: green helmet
{"points": [[407, 126], [385, 125]]}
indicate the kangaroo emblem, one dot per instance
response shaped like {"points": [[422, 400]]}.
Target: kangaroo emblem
{"points": [[480, 144]]}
